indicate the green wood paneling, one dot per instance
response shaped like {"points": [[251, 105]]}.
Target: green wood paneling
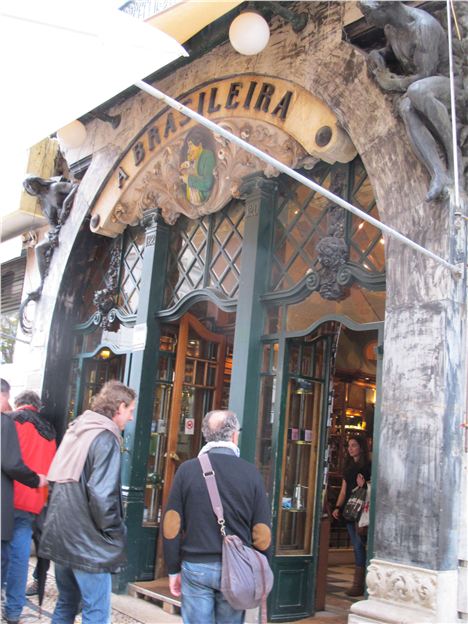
{"points": [[260, 197]]}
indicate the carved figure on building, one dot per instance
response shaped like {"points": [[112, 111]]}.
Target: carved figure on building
{"points": [[332, 250], [104, 299], [56, 197], [198, 168], [418, 43], [332, 253]]}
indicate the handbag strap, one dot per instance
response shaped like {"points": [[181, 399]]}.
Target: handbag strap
{"points": [[212, 486]]}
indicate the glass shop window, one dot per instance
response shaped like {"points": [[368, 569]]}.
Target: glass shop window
{"points": [[206, 253], [266, 414], [159, 426]]}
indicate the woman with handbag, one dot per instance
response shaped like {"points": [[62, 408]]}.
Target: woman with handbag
{"points": [[356, 474]]}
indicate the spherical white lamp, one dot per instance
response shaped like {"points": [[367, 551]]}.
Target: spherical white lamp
{"points": [[249, 33], [73, 134]]}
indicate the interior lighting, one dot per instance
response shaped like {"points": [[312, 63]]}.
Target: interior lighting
{"points": [[105, 354], [249, 33], [73, 134]]}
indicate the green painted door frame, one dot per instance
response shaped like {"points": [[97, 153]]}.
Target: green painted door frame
{"points": [[299, 574], [142, 374]]}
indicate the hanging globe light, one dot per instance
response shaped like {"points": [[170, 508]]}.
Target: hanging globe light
{"points": [[249, 33]]}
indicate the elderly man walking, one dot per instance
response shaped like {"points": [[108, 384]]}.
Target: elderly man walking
{"points": [[191, 535], [84, 532]]}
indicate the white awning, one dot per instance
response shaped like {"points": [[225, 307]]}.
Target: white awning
{"points": [[63, 58]]}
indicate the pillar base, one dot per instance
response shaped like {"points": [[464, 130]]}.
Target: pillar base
{"points": [[404, 594]]}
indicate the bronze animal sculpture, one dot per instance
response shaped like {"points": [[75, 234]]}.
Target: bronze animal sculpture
{"points": [[418, 43], [56, 197]]}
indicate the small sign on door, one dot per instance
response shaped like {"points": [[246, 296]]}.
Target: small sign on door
{"points": [[189, 426]]}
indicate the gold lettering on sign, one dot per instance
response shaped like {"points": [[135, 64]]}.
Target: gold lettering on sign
{"points": [[122, 177]]}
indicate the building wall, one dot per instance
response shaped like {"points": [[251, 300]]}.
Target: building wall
{"points": [[420, 444]]}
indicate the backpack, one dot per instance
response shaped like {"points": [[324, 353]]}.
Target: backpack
{"points": [[246, 576]]}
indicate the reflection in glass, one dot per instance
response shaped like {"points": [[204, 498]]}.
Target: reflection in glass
{"points": [[266, 416], [362, 306]]}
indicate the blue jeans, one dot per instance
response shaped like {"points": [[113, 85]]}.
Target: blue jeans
{"points": [[18, 559], [358, 545], [202, 600], [93, 590]]}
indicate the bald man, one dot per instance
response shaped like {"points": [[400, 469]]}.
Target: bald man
{"points": [[191, 535]]}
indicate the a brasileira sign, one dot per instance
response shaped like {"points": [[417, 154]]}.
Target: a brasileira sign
{"points": [[262, 101]]}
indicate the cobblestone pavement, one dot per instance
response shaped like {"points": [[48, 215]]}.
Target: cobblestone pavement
{"points": [[32, 613], [128, 610]]}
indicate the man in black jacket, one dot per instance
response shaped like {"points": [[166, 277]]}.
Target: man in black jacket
{"points": [[84, 532], [191, 535], [13, 469]]}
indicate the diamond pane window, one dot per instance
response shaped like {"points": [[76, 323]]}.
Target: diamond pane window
{"points": [[187, 255], [366, 242], [300, 224], [305, 217], [227, 236], [131, 268], [206, 252]]}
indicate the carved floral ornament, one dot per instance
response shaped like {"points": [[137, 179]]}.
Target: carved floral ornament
{"points": [[183, 168], [402, 584]]}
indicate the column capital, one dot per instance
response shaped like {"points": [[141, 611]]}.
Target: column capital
{"points": [[151, 218], [257, 186]]}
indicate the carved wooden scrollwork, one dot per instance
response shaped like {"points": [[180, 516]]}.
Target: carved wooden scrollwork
{"points": [[160, 184]]}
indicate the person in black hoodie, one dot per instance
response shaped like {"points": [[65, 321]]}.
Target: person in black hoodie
{"points": [[191, 536], [13, 469]]}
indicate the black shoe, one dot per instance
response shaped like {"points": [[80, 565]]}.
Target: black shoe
{"points": [[32, 589]]}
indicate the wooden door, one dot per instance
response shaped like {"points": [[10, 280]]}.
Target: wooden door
{"points": [[198, 386]]}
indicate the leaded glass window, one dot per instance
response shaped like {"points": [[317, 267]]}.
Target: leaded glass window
{"points": [[305, 217], [131, 269], [366, 242], [300, 224], [126, 252], [205, 253]]}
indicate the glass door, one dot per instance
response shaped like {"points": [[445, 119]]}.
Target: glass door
{"points": [[303, 416], [301, 471]]}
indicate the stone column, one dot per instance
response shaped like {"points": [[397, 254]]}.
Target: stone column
{"points": [[413, 575]]}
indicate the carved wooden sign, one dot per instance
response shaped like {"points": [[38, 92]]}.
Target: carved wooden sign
{"points": [[182, 168]]}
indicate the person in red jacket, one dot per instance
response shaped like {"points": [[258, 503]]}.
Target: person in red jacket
{"points": [[37, 443]]}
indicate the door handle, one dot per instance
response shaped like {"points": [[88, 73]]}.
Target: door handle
{"points": [[173, 455]]}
